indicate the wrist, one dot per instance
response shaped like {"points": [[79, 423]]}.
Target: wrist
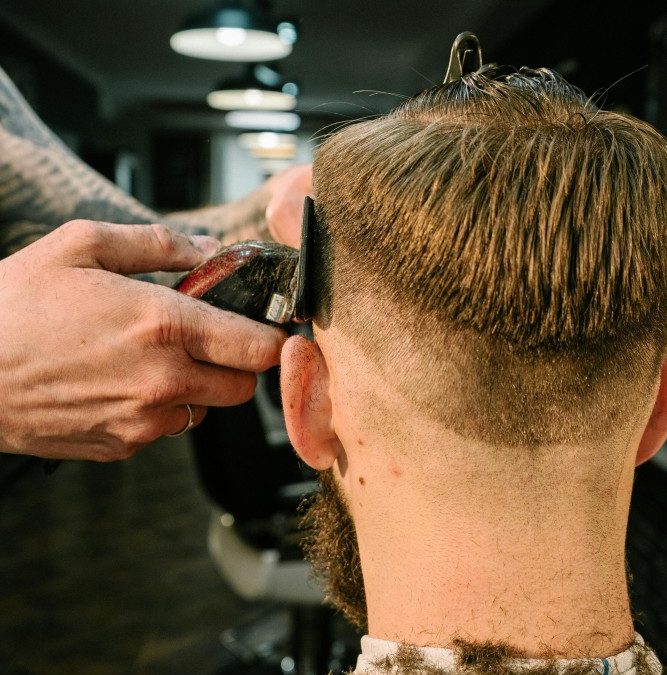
{"points": [[250, 221]]}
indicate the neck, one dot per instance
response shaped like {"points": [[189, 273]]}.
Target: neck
{"points": [[529, 554]]}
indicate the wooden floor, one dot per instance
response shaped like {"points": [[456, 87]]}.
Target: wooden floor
{"points": [[104, 570]]}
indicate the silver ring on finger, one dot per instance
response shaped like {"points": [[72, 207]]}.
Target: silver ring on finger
{"points": [[190, 423]]}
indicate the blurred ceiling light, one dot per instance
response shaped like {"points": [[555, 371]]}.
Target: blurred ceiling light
{"points": [[263, 120], [271, 167], [269, 144], [235, 30], [262, 88]]}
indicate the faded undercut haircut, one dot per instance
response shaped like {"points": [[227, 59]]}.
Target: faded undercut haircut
{"points": [[499, 244]]}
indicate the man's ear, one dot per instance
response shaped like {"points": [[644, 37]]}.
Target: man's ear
{"points": [[304, 383], [655, 433]]}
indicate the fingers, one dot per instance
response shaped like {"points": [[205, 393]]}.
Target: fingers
{"points": [[171, 378], [227, 339], [151, 424], [177, 420], [203, 387], [130, 249], [207, 333], [206, 385]]}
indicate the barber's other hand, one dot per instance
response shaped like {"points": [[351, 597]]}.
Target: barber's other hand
{"points": [[94, 365], [285, 209]]}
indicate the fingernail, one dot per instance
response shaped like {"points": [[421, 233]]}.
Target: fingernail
{"points": [[207, 245]]}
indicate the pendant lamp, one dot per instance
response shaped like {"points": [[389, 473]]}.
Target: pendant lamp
{"points": [[235, 30], [261, 88]]}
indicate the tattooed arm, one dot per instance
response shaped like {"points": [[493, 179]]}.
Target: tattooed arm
{"points": [[95, 365], [45, 184], [272, 211]]}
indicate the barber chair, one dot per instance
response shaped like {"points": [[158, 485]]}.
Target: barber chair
{"points": [[255, 482]]}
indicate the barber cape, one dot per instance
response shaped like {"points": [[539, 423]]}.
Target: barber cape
{"points": [[374, 652]]}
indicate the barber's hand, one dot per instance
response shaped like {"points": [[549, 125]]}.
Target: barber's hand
{"points": [[285, 209], [94, 365]]}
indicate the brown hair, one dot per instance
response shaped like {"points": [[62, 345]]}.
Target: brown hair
{"points": [[517, 234]]}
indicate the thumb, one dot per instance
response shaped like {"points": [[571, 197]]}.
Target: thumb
{"points": [[130, 249], [284, 211]]}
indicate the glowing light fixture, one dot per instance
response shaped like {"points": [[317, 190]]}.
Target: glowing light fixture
{"points": [[263, 120], [269, 144], [262, 88], [235, 30]]}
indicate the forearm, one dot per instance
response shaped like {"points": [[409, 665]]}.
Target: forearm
{"points": [[42, 181], [236, 221]]}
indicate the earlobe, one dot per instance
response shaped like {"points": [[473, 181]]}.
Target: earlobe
{"points": [[304, 384], [655, 433]]}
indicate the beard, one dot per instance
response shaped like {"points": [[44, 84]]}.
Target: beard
{"points": [[330, 545]]}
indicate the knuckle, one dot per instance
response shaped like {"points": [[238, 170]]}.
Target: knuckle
{"points": [[163, 390], [258, 353], [115, 450], [245, 387], [129, 450], [132, 437], [154, 386], [166, 239], [85, 231], [162, 324], [145, 434], [139, 428]]}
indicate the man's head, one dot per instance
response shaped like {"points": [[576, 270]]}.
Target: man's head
{"points": [[490, 276]]}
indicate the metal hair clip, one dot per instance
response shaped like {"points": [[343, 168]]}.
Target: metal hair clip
{"points": [[262, 280], [462, 57]]}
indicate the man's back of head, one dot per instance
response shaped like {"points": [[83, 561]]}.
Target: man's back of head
{"points": [[490, 334]]}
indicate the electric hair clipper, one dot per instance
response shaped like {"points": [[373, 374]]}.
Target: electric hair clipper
{"points": [[262, 280]]}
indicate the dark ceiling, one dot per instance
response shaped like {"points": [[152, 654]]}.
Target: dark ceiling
{"points": [[346, 46]]}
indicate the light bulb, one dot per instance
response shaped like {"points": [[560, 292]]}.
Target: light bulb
{"points": [[231, 37], [253, 97]]}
